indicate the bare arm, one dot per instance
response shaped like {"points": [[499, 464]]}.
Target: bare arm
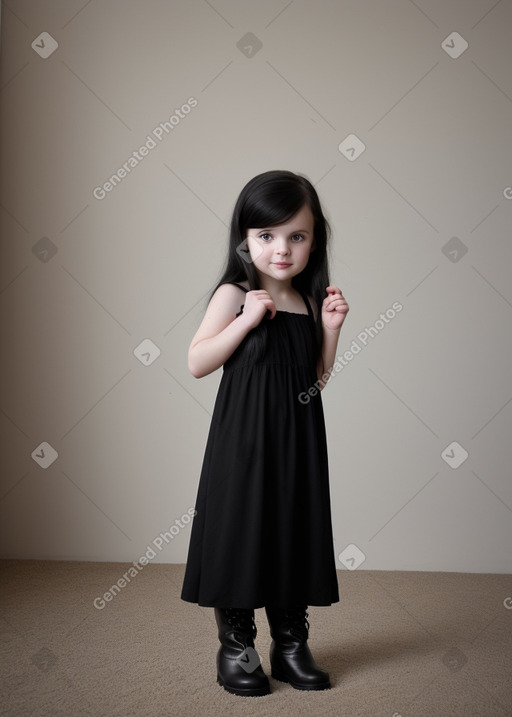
{"points": [[221, 331], [329, 346], [334, 312]]}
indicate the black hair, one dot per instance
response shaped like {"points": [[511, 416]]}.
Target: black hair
{"points": [[270, 199]]}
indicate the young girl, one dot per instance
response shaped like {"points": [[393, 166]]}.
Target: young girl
{"points": [[262, 533]]}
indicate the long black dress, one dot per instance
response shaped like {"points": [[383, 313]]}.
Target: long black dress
{"points": [[262, 534]]}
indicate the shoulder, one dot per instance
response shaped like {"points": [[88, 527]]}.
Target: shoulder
{"points": [[227, 298], [227, 289], [222, 309]]}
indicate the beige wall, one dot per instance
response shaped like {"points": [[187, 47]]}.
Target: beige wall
{"points": [[85, 279]]}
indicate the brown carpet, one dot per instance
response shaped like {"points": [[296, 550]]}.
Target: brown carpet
{"points": [[414, 644]]}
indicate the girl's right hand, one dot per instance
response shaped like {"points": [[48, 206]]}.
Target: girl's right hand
{"points": [[257, 303]]}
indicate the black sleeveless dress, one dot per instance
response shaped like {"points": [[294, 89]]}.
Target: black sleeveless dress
{"points": [[262, 534]]}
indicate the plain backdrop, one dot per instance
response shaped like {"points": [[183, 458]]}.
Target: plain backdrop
{"points": [[400, 113]]}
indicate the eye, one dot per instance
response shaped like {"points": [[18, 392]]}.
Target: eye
{"points": [[265, 235], [298, 237]]}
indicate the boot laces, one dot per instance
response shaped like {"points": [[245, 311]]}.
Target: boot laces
{"points": [[297, 619], [243, 619]]}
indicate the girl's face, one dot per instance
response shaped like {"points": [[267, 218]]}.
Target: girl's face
{"points": [[283, 251]]}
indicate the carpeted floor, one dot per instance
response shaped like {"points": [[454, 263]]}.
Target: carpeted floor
{"points": [[409, 644]]}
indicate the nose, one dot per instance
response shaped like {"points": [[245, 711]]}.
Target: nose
{"points": [[281, 246]]}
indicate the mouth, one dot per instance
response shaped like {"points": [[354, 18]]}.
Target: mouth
{"points": [[281, 264]]}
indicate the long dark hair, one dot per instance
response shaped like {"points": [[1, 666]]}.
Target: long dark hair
{"points": [[270, 199]]}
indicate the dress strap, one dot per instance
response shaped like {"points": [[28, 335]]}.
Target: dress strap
{"points": [[239, 285], [308, 305], [304, 296]]}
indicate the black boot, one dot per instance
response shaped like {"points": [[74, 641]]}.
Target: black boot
{"points": [[239, 669], [290, 656]]}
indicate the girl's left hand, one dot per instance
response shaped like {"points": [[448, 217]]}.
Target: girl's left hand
{"points": [[334, 309]]}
